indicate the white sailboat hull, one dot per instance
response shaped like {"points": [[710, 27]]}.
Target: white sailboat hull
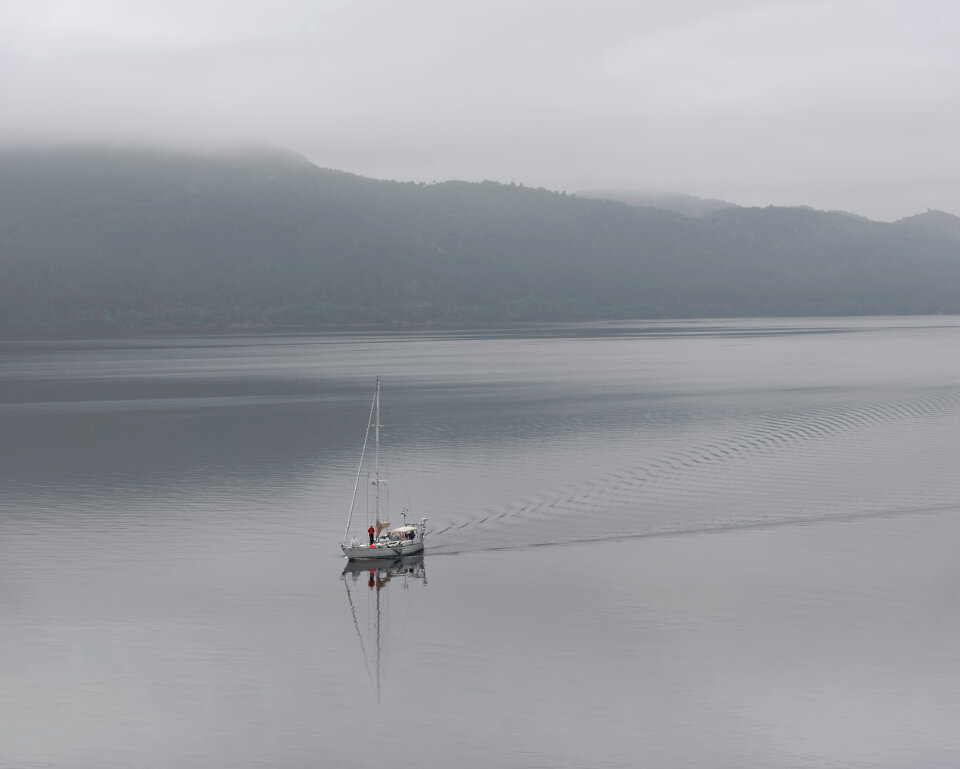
{"points": [[382, 550]]}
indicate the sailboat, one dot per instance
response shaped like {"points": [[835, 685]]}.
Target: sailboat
{"points": [[382, 541]]}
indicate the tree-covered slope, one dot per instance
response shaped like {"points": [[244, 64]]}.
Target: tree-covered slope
{"points": [[139, 238]]}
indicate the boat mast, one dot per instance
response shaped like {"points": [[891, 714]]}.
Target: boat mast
{"points": [[366, 436], [376, 461]]}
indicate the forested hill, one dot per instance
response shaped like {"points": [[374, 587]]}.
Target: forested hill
{"points": [[96, 238]]}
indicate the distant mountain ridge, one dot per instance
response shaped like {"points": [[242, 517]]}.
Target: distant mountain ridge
{"points": [[934, 221], [688, 205], [92, 238]]}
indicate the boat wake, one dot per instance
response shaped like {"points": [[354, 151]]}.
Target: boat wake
{"points": [[844, 461]]}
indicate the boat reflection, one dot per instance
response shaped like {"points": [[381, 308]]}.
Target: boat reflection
{"points": [[386, 570], [371, 608]]}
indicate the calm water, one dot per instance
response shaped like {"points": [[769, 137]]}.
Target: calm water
{"points": [[698, 544]]}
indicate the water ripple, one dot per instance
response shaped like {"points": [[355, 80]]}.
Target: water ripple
{"points": [[800, 466]]}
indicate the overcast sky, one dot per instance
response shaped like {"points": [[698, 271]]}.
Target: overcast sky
{"points": [[845, 104]]}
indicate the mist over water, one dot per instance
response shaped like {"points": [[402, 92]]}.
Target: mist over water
{"points": [[699, 544]]}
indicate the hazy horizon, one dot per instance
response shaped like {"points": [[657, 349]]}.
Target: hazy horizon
{"points": [[845, 107]]}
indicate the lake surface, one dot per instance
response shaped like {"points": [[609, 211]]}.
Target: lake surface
{"points": [[697, 544]]}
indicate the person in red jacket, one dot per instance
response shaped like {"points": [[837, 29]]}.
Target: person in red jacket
{"points": [[372, 532]]}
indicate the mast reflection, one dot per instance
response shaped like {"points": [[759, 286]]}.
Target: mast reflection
{"points": [[372, 624]]}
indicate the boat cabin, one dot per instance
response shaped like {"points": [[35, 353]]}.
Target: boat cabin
{"points": [[399, 534]]}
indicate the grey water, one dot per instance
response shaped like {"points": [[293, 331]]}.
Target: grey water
{"points": [[698, 544]]}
